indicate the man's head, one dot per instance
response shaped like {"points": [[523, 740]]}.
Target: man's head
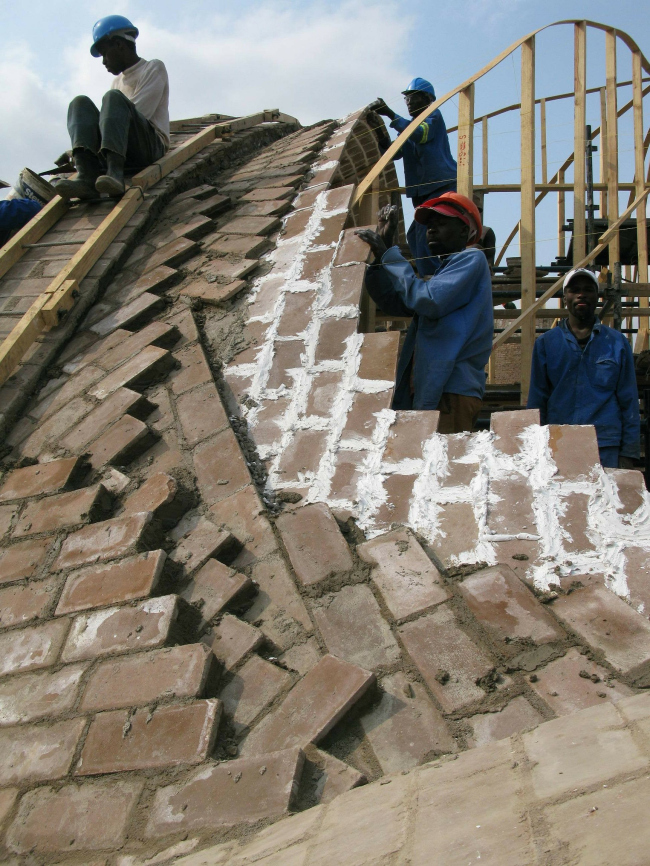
{"points": [[418, 95], [114, 41], [580, 291], [452, 222]]}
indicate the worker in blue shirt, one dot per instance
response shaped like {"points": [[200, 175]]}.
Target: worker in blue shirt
{"points": [[26, 199], [448, 344], [429, 167], [583, 373]]}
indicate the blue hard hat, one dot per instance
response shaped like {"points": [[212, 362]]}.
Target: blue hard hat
{"points": [[109, 25], [420, 84]]}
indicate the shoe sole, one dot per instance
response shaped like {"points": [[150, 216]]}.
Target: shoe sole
{"points": [[75, 189], [109, 186]]}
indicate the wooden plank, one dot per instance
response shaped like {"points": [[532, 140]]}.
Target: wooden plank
{"points": [[561, 218], [466, 141], [21, 338], [580, 120], [14, 249], [543, 140], [59, 302], [485, 151], [612, 143], [603, 151], [641, 342], [527, 224], [550, 292]]}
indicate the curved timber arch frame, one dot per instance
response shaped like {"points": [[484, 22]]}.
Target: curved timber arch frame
{"points": [[609, 187]]}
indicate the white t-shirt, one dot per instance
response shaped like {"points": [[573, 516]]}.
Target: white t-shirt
{"points": [[147, 86]]}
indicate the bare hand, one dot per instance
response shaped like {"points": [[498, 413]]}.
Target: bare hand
{"points": [[374, 241], [379, 106]]}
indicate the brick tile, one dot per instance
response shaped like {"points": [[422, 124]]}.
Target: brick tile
{"points": [[362, 417], [201, 413], [220, 460], [574, 450], [36, 753], [195, 228], [198, 192], [281, 192], [214, 587], [332, 338], [172, 254], [100, 585], [278, 609], [606, 622], [508, 427], [249, 225], [193, 370], [330, 230], [213, 293], [347, 285], [575, 522], [21, 604], [348, 470], [160, 334], [297, 314], [407, 579], [119, 629], [458, 531], [236, 792], [296, 223], [637, 574], [331, 776], [185, 323], [459, 473], [158, 494], [324, 388], [517, 716], [302, 657], [31, 648], [24, 559], [162, 417], [302, 455], [508, 611], [353, 628], [144, 369], [158, 737], [243, 515], [121, 444], [312, 707], [142, 678], [144, 306], [87, 817], [75, 386], [314, 263], [379, 354], [254, 336], [226, 271], [63, 510], [574, 682], [563, 751], [351, 248], [120, 402], [255, 685], [286, 357], [156, 280], [28, 697], [202, 542], [395, 509], [270, 207], [408, 433], [513, 512], [405, 729], [314, 543], [450, 662], [267, 429], [248, 246], [41, 478], [214, 205], [48, 434], [109, 539], [630, 487], [234, 639]]}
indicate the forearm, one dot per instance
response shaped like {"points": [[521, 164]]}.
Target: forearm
{"points": [[381, 290]]}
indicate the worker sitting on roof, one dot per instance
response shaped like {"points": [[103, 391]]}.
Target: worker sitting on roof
{"points": [[583, 373], [132, 128], [25, 200], [448, 344], [429, 167]]}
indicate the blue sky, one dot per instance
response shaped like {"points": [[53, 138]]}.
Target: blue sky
{"points": [[310, 59]]}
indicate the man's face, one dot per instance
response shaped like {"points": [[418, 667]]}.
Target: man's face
{"points": [[581, 298], [446, 234], [417, 101], [113, 54]]}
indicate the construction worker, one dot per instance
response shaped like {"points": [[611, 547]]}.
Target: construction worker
{"points": [[448, 344], [29, 194], [429, 167], [583, 373], [131, 130]]}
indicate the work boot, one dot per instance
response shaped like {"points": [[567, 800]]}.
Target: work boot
{"points": [[112, 183], [83, 185]]}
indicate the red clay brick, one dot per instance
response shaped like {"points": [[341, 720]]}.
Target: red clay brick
{"points": [[575, 522], [407, 579], [204, 541], [312, 707], [37, 753], [459, 473], [574, 450], [120, 629], [324, 388], [161, 334], [286, 357], [23, 560], [213, 293], [282, 192], [513, 512], [296, 223], [332, 338], [255, 685], [21, 604], [32, 648], [332, 777], [121, 443], [101, 585], [93, 425], [201, 413], [278, 609], [172, 254], [214, 587], [48, 434], [235, 639], [517, 716], [156, 495], [63, 510], [193, 370], [379, 354], [214, 205], [396, 508], [352, 248], [508, 427], [159, 737], [142, 678], [145, 304], [41, 478], [155, 280], [109, 539], [87, 817], [458, 531], [303, 454], [314, 543], [449, 661], [508, 610], [73, 387], [630, 486], [220, 460], [297, 313], [314, 262], [330, 230], [347, 285], [236, 792], [346, 475], [28, 697], [243, 515], [362, 417], [408, 433], [148, 366], [248, 246]]}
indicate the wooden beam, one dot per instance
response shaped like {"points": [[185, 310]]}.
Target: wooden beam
{"points": [[612, 143], [561, 218], [543, 140], [485, 151], [641, 342], [603, 151], [550, 292], [580, 120], [527, 224], [14, 249], [466, 141]]}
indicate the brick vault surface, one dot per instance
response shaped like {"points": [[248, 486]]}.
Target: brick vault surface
{"points": [[234, 585]]}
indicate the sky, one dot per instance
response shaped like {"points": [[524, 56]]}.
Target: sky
{"points": [[313, 59]]}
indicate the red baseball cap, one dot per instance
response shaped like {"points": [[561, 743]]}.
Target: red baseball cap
{"points": [[452, 204]]}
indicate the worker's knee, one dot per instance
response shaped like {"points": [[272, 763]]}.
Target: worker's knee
{"points": [[82, 103], [113, 98]]}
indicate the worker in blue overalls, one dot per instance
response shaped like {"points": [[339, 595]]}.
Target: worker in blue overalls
{"points": [[429, 168]]}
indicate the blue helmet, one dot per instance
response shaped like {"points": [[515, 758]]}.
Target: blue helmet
{"points": [[108, 26], [420, 84]]}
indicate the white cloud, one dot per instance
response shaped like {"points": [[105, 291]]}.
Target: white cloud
{"points": [[316, 61]]}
